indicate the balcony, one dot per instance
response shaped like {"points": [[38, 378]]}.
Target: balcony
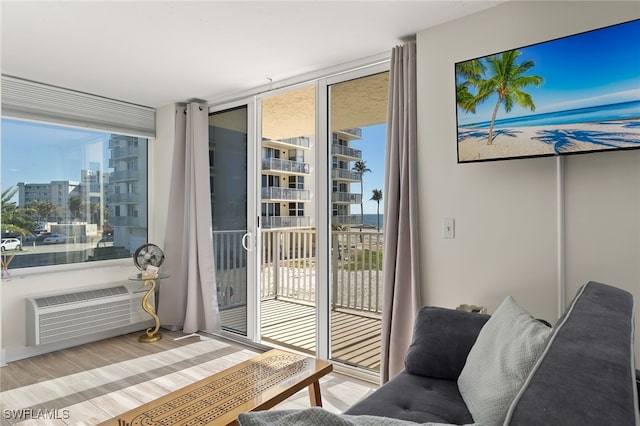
{"points": [[345, 151], [124, 152], [346, 219], [299, 142], [357, 132], [128, 198], [271, 222], [345, 174], [124, 175], [285, 194], [346, 197], [287, 166], [288, 292]]}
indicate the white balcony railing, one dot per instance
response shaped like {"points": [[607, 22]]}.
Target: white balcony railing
{"points": [[288, 268], [269, 222], [345, 174], [346, 219], [277, 193], [346, 151], [346, 197], [281, 165]]}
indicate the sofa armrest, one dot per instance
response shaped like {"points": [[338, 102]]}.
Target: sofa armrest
{"points": [[442, 339]]}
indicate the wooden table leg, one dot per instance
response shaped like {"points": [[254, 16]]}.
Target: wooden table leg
{"points": [[314, 394]]}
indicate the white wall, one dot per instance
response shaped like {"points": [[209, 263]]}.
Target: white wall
{"points": [[506, 211]]}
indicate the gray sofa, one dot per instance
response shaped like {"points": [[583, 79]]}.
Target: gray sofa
{"points": [[584, 376]]}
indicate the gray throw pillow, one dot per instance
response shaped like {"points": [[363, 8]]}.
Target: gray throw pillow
{"points": [[500, 361]]}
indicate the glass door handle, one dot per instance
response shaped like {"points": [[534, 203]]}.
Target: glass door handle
{"points": [[245, 238]]}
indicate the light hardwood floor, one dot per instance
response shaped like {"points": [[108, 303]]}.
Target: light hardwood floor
{"points": [[88, 384]]}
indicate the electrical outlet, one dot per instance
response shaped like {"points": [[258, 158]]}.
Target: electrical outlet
{"points": [[448, 228]]}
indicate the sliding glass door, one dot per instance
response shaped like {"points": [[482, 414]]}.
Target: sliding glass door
{"points": [[233, 216], [357, 134], [288, 260], [297, 216]]}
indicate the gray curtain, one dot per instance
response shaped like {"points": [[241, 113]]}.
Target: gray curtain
{"points": [[401, 279], [188, 297]]}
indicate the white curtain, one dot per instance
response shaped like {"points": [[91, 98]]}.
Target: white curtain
{"points": [[188, 297], [401, 279]]}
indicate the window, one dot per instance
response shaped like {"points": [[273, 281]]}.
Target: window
{"points": [[296, 209], [87, 185], [296, 182]]}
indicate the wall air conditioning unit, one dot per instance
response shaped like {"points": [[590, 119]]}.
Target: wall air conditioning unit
{"points": [[60, 317]]}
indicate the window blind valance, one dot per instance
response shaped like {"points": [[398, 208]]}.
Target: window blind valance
{"points": [[28, 100]]}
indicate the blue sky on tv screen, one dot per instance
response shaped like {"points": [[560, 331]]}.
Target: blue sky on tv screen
{"points": [[600, 67]]}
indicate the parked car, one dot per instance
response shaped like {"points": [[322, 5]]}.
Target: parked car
{"points": [[55, 239], [10, 244]]}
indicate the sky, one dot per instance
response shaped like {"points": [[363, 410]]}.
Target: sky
{"points": [[599, 67], [55, 153], [372, 144]]}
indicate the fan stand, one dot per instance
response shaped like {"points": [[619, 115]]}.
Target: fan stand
{"points": [[148, 258], [152, 334]]}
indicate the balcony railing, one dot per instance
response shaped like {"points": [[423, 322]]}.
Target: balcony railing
{"points": [[124, 198], [300, 141], [345, 174], [125, 152], [124, 175], [346, 197], [270, 222], [288, 267], [281, 165], [346, 151], [276, 193], [357, 131], [346, 219]]}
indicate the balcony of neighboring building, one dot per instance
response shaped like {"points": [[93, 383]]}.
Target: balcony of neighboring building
{"points": [[346, 219], [123, 153], [124, 175], [285, 194], [346, 152], [346, 198], [272, 222], [127, 198], [285, 166], [301, 142], [354, 133], [345, 174]]}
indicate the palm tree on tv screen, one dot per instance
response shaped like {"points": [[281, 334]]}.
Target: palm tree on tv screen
{"points": [[507, 80], [468, 75]]}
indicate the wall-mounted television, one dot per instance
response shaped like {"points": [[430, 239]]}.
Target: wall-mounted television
{"points": [[575, 94]]}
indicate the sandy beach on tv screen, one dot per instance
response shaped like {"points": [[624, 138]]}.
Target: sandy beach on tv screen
{"points": [[544, 140]]}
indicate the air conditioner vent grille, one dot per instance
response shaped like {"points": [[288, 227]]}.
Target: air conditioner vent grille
{"points": [[80, 296], [55, 326]]}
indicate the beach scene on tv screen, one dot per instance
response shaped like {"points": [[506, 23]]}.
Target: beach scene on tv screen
{"points": [[574, 94]]}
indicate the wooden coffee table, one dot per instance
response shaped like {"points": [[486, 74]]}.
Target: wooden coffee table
{"points": [[259, 383]]}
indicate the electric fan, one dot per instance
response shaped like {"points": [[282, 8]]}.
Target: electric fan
{"points": [[148, 255]]}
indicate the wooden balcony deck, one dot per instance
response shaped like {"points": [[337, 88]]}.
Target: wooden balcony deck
{"points": [[355, 337]]}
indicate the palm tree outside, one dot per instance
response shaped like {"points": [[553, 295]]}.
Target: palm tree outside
{"points": [[361, 168], [507, 80], [377, 197]]}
